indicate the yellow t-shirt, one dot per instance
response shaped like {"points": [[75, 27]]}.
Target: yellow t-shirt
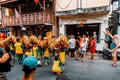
{"points": [[18, 48], [56, 67], [35, 52], [29, 53], [62, 57], [46, 52]]}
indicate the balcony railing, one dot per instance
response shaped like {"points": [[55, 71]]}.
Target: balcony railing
{"points": [[28, 19]]}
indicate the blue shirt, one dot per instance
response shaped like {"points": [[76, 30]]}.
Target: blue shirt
{"points": [[112, 45]]}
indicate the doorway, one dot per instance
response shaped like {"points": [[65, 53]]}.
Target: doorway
{"points": [[87, 29]]}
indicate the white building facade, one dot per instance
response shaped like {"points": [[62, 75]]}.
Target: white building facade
{"points": [[93, 14]]}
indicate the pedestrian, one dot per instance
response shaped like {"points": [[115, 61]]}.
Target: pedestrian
{"points": [[62, 77], [72, 46], [107, 37], [114, 46], [95, 38], [57, 66], [83, 46], [5, 59], [19, 47], [92, 47], [29, 67]]}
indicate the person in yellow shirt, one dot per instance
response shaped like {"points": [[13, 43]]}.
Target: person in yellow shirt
{"points": [[29, 52], [46, 55], [62, 57], [57, 67], [19, 47], [35, 50]]}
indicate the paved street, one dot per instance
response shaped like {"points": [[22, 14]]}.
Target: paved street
{"points": [[98, 69]]}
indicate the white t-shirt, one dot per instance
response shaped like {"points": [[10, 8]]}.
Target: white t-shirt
{"points": [[72, 43], [84, 46]]}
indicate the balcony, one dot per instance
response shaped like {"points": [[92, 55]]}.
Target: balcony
{"points": [[28, 19]]}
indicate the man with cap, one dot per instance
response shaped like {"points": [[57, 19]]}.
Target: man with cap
{"points": [[29, 67]]}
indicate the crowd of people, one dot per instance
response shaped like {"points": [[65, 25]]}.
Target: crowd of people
{"points": [[84, 44], [30, 56]]}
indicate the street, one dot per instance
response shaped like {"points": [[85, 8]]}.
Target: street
{"points": [[99, 69]]}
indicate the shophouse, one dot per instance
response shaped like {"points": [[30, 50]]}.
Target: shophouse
{"points": [[78, 17], [27, 16]]}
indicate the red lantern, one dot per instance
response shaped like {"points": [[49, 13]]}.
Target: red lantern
{"points": [[36, 1]]}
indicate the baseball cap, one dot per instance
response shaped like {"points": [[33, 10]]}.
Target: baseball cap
{"points": [[31, 62]]}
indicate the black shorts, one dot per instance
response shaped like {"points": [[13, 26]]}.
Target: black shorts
{"points": [[72, 50]]}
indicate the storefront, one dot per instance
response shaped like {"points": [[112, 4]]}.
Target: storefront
{"points": [[32, 30], [86, 29], [91, 23]]}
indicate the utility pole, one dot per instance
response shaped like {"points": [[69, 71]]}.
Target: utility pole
{"points": [[55, 29]]}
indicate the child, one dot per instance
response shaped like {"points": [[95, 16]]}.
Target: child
{"points": [[57, 67]]}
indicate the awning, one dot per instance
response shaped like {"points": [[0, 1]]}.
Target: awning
{"points": [[7, 1]]}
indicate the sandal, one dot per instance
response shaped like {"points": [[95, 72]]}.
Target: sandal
{"points": [[114, 65]]}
